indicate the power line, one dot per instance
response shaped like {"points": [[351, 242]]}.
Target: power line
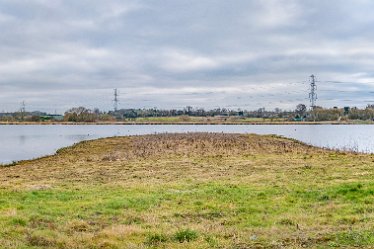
{"points": [[346, 82]]}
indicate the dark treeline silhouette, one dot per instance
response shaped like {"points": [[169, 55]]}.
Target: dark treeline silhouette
{"points": [[301, 113]]}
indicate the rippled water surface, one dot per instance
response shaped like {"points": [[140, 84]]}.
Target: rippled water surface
{"points": [[20, 142]]}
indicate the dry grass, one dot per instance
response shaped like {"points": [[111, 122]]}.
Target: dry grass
{"points": [[194, 190], [170, 156]]}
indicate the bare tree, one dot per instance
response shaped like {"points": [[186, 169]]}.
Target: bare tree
{"points": [[300, 109]]}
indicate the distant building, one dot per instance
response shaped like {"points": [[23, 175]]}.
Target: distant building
{"points": [[299, 118], [346, 110], [53, 117]]}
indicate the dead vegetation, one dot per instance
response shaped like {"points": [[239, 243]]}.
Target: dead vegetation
{"points": [[197, 190], [125, 159]]}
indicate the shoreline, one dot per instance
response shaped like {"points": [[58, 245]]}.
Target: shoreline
{"points": [[55, 153]]}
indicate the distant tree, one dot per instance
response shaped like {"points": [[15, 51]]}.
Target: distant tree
{"points": [[97, 111], [333, 114], [261, 113], [188, 110], [277, 110], [35, 118], [79, 114], [300, 110]]}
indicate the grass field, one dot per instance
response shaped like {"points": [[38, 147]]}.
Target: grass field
{"points": [[189, 191], [191, 119]]}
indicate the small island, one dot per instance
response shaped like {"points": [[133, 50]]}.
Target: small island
{"points": [[198, 190]]}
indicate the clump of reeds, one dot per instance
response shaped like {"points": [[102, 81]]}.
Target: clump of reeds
{"points": [[206, 144]]}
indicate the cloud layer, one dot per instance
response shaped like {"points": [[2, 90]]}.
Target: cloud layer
{"points": [[169, 54]]}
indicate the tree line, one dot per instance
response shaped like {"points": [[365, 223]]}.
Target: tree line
{"points": [[300, 113]]}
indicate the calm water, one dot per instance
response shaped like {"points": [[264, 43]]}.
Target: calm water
{"points": [[27, 142]]}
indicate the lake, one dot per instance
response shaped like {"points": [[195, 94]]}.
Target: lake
{"points": [[22, 142]]}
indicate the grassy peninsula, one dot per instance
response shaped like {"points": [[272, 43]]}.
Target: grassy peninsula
{"points": [[189, 191]]}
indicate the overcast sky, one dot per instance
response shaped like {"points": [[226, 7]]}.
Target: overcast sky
{"points": [[56, 54]]}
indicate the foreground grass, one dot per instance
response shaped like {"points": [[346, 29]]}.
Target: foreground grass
{"points": [[189, 191]]}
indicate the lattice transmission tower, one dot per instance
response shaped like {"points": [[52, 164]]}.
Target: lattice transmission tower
{"points": [[115, 100], [313, 92]]}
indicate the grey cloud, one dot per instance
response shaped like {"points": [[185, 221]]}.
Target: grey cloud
{"points": [[55, 54]]}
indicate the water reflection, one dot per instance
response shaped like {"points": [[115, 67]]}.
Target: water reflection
{"points": [[22, 139]]}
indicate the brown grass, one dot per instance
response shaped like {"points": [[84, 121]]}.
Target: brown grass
{"points": [[164, 157], [222, 190]]}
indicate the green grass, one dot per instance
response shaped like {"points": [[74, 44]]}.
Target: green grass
{"points": [[189, 191], [51, 217]]}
